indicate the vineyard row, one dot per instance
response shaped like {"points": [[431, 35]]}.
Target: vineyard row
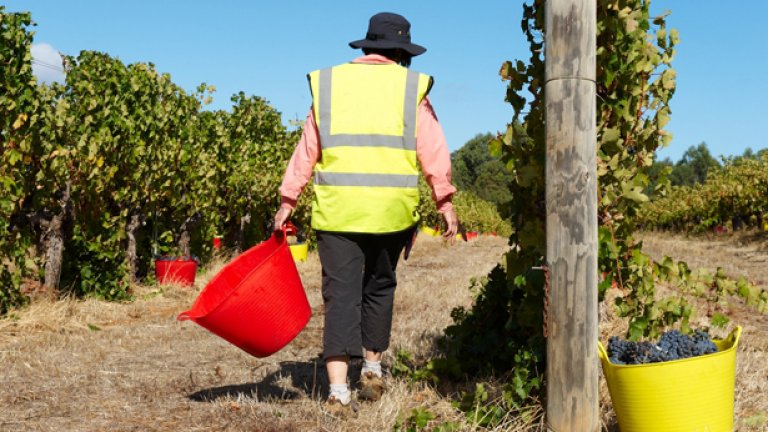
{"points": [[118, 166], [734, 196]]}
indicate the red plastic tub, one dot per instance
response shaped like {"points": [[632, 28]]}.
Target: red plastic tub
{"points": [[256, 302], [178, 271]]}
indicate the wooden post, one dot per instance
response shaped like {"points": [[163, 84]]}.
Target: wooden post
{"points": [[571, 196]]}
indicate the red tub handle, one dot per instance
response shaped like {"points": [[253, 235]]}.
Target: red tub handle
{"points": [[184, 316], [290, 229]]}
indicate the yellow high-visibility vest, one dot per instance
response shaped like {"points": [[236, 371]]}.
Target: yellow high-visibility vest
{"points": [[367, 178]]}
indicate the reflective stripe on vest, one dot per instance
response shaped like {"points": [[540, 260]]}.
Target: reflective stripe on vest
{"points": [[356, 179], [406, 141], [366, 179]]}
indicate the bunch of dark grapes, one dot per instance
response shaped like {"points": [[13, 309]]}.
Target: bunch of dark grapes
{"points": [[673, 345]]}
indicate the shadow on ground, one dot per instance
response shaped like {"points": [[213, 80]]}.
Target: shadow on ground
{"points": [[293, 380]]}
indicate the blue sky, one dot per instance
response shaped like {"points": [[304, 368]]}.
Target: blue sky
{"points": [[266, 48]]}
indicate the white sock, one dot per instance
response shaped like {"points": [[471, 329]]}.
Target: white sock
{"points": [[371, 366], [341, 392]]}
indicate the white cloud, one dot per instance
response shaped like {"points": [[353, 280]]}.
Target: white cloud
{"points": [[46, 63]]}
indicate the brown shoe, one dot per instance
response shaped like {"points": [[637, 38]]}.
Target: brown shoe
{"points": [[371, 387], [335, 408]]}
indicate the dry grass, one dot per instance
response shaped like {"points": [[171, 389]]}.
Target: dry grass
{"points": [[742, 254], [73, 365], [87, 365]]}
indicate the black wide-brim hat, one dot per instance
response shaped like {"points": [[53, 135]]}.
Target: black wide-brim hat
{"points": [[389, 31]]}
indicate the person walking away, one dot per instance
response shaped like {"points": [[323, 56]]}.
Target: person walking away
{"points": [[370, 125]]}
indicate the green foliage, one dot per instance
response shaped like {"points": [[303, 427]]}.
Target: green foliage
{"points": [[757, 421], [427, 209], [719, 320], [251, 161], [750, 154], [475, 213], [489, 406], [634, 83], [16, 104], [504, 320], [421, 419], [694, 166], [418, 420], [404, 366], [658, 177], [736, 194], [121, 151], [475, 170], [478, 409], [503, 333], [715, 288]]}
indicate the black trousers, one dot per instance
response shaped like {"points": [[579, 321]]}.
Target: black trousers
{"points": [[359, 284]]}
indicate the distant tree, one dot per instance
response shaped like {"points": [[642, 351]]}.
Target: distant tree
{"points": [[467, 160], [475, 170], [693, 167], [748, 154], [682, 175], [492, 183]]}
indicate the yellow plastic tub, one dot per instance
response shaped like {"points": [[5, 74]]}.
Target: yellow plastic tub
{"points": [[689, 395], [430, 231], [299, 251]]}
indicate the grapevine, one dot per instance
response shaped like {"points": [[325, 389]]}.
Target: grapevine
{"points": [[635, 83], [502, 334], [119, 165], [17, 99], [474, 213], [735, 195]]}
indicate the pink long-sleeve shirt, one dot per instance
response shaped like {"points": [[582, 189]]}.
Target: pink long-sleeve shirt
{"points": [[431, 151]]}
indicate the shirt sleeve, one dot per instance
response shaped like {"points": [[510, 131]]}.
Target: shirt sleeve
{"points": [[433, 155], [302, 163]]}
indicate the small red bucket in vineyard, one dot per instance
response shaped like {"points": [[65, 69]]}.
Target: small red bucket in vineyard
{"points": [[175, 270], [256, 302]]}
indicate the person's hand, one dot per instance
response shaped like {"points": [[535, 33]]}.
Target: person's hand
{"points": [[281, 217], [452, 225]]}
